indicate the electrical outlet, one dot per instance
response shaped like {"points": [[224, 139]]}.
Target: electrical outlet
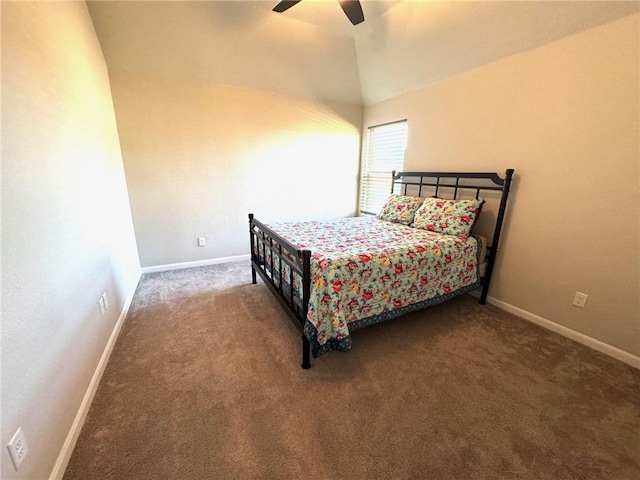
{"points": [[103, 309], [18, 448], [580, 299], [105, 300], [202, 241]]}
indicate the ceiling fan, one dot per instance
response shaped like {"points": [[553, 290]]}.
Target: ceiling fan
{"points": [[352, 9]]}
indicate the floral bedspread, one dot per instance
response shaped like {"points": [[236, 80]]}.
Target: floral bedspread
{"points": [[365, 270]]}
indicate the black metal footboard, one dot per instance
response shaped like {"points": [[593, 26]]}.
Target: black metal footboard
{"points": [[286, 270]]}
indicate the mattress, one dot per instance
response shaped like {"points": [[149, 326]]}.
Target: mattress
{"points": [[365, 270]]}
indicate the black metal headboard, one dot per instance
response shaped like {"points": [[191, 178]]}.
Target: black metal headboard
{"points": [[454, 185]]}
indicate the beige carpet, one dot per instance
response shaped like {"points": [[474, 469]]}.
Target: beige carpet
{"points": [[205, 383]]}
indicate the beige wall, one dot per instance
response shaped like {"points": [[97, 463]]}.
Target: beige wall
{"points": [[565, 116], [200, 156], [67, 233]]}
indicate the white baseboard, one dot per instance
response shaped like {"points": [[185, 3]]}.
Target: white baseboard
{"points": [[72, 437], [197, 263], [590, 342]]}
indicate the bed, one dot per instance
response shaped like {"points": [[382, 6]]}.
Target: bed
{"points": [[436, 237]]}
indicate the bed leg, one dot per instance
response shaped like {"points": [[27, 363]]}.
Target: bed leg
{"points": [[254, 280], [306, 350], [485, 292]]}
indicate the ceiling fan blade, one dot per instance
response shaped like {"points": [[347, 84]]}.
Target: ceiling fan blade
{"points": [[353, 10], [285, 5]]}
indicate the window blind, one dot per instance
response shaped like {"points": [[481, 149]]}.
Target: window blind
{"points": [[384, 152]]}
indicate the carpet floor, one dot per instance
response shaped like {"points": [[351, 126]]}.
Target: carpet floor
{"points": [[205, 383]]}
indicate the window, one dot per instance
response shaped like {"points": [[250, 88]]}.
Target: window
{"points": [[384, 152]]}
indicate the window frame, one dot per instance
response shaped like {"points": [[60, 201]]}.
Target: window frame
{"points": [[376, 167]]}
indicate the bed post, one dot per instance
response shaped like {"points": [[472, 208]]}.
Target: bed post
{"points": [[496, 234], [253, 270], [393, 181], [306, 349], [306, 291]]}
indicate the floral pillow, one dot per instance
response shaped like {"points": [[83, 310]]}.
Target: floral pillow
{"points": [[451, 217], [400, 209]]}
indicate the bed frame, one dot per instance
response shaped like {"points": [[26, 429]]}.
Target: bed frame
{"points": [[453, 185]]}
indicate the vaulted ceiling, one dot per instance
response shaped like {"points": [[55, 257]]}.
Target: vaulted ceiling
{"points": [[312, 50]]}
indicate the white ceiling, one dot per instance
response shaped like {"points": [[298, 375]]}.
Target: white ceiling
{"points": [[329, 15], [232, 42], [313, 51], [418, 43]]}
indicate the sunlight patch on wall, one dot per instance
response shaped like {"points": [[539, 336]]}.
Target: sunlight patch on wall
{"points": [[309, 177]]}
